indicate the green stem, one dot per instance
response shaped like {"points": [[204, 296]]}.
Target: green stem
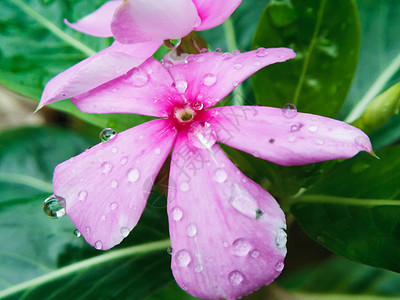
{"points": [[27, 180], [238, 92], [374, 90], [53, 28], [88, 263]]}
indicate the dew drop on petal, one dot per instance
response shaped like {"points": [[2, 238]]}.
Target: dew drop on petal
{"points": [[279, 266], [103, 217], [198, 268], [157, 151], [138, 77], [281, 238], [236, 52], [243, 201], [235, 83], [107, 134], [182, 258], [124, 231], [235, 278], [184, 186], [53, 208], [241, 247], [133, 175], [191, 230], [209, 79], [177, 214], [259, 213], [124, 160], [169, 250], [98, 245], [87, 230], [202, 135], [220, 175], [113, 206], [181, 86], [238, 66], [289, 111], [114, 149], [106, 168], [261, 52], [294, 128], [312, 128], [77, 233], [255, 254], [82, 195], [226, 56], [319, 142], [114, 184], [197, 105]]}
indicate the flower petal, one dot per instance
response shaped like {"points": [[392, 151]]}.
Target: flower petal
{"points": [[213, 13], [227, 233], [211, 76], [286, 137], [153, 20], [98, 23], [96, 70], [105, 188], [146, 90]]}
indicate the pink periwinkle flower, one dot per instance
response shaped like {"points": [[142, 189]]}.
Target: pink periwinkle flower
{"points": [[227, 233]]}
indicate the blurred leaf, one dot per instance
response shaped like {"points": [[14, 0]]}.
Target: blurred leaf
{"points": [[36, 45], [318, 79], [355, 211], [40, 257], [380, 110]]}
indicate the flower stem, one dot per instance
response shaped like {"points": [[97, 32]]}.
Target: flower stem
{"points": [[53, 28], [238, 92]]}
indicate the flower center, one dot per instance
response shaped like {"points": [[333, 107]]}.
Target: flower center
{"points": [[184, 114]]}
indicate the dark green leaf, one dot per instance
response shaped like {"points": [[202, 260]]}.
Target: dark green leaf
{"points": [[318, 79]]}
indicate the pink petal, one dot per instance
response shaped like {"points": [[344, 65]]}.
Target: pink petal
{"points": [[211, 76], [227, 233], [106, 187], [153, 20], [96, 70], [286, 137], [213, 13], [146, 90], [98, 23]]}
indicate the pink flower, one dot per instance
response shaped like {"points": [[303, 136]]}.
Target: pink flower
{"points": [[227, 233], [136, 21]]}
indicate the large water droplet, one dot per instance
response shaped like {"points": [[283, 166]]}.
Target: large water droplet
{"points": [[202, 135], [243, 201], [182, 258], [177, 213], [107, 134], [138, 77], [191, 230], [241, 247], [133, 175], [235, 278], [77, 233], [184, 186], [226, 56], [261, 52], [124, 231], [289, 111], [53, 208], [209, 79], [82, 195], [98, 245], [281, 238], [106, 168], [181, 86], [197, 105], [172, 43], [220, 175]]}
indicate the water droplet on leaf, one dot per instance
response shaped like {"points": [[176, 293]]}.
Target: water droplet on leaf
{"points": [[53, 208]]}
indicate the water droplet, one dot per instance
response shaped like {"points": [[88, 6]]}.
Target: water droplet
{"points": [[235, 278], [209, 79], [291, 138], [113, 206], [172, 43], [167, 63], [237, 66], [190, 58], [261, 52], [225, 244], [296, 127], [182, 258], [82, 195], [157, 151], [202, 135], [203, 50], [77, 233], [198, 268], [181, 86], [197, 105], [53, 208], [281, 238], [184, 186], [243, 201], [219, 50], [255, 254], [313, 128], [191, 230], [103, 217], [124, 160], [177, 214], [106, 168], [107, 134], [114, 149], [236, 52], [141, 137], [169, 250], [114, 184], [124, 231], [259, 213], [133, 175], [319, 142], [279, 266], [220, 175], [98, 245], [138, 77], [241, 247], [256, 154], [226, 56], [87, 230], [289, 111]]}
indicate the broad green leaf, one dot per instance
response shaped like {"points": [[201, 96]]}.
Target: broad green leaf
{"points": [[41, 258], [326, 37], [355, 211], [36, 45]]}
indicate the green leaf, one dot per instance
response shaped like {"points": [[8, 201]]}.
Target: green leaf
{"points": [[41, 258], [318, 79], [355, 211]]}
